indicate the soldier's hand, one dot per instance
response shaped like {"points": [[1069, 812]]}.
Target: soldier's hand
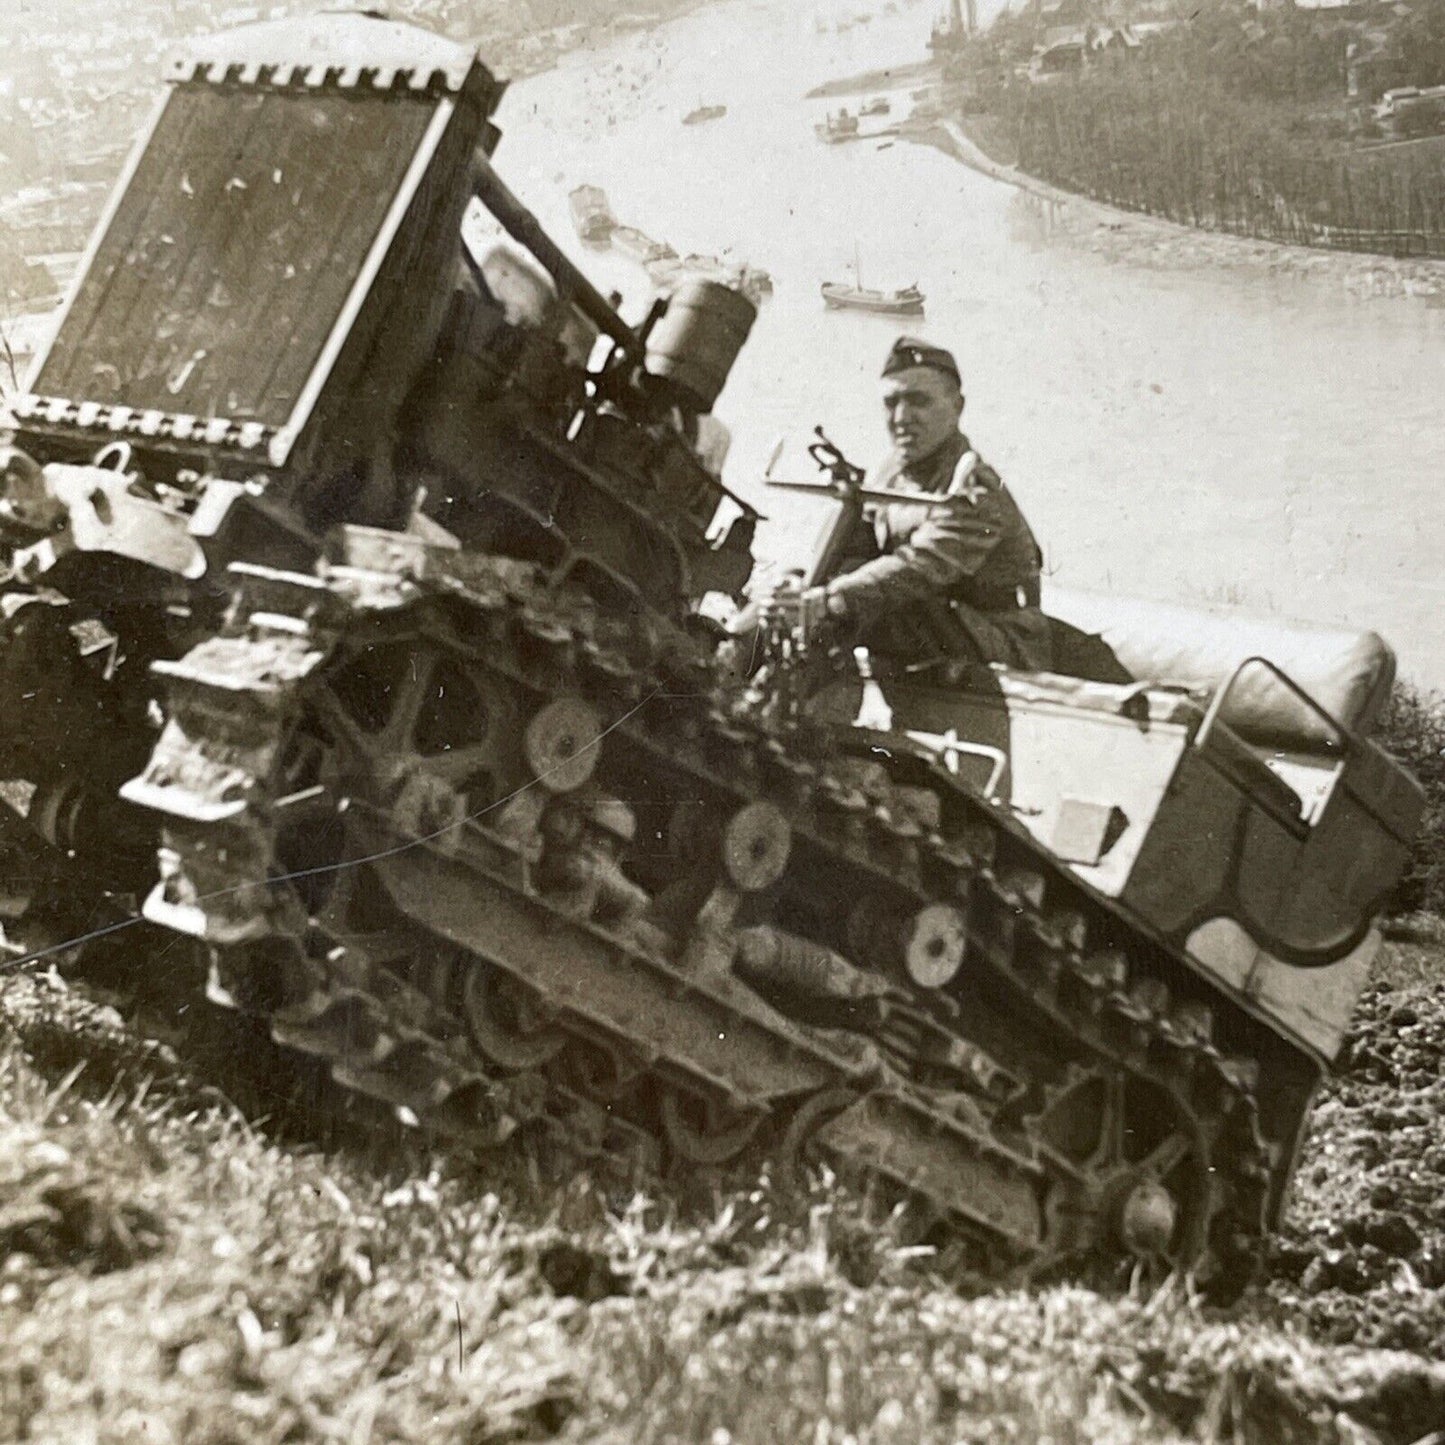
{"points": [[801, 611], [778, 602]]}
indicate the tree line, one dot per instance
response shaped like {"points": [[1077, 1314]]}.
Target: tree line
{"points": [[1238, 126]]}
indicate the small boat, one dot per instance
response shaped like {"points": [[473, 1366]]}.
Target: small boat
{"points": [[639, 245], [591, 215], [752, 281], [704, 113], [905, 301], [757, 283], [879, 105], [840, 127]]}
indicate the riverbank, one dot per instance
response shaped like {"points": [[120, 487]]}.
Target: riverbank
{"points": [[1145, 240], [889, 77], [512, 45]]}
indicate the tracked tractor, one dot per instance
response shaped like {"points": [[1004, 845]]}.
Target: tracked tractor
{"points": [[448, 791]]}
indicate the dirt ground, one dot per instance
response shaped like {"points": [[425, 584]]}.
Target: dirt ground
{"points": [[1362, 1256]]}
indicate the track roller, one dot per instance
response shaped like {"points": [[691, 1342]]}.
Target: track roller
{"points": [[936, 944], [755, 845], [699, 1131], [502, 1022], [562, 744]]}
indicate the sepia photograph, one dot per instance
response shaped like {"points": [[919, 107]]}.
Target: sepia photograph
{"points": [[722, 722]]}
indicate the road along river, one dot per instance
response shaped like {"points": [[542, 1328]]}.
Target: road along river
{"points": [[1226, 433]]}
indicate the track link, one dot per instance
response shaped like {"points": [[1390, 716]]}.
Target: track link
{"points": [[398, 808]]}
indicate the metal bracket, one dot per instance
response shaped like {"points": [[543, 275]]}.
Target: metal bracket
{"points": [[952, 747]]}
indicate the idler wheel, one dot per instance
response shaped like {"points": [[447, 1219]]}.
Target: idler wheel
{"points": [[560, 744], [755, 846], [497, 1018]]}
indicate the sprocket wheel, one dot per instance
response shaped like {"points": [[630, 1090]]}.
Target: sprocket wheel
{"points": [[410, 722], [403, 726], [1137, 1174]]}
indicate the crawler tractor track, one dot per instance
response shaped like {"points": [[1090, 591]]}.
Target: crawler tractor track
{"points": [[497, 863]]}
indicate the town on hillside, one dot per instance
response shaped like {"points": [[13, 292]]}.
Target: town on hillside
{"points": [[1383, 59], [77, 80]]}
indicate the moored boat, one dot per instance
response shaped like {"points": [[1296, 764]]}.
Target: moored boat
{"points": [[639, 245], [839, 126], [591, 215], [671, 270], [667, 269], [901, 301], [904, 301], [703, 113]]}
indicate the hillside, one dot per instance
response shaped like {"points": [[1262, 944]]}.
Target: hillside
{"points": [[173, 1273]]}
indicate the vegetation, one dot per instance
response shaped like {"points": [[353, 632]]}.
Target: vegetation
{"points": [[1414, 730], [172, 1275], [1230, 120]]}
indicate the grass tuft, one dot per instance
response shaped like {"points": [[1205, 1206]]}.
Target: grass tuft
{"points": [[186, 1278]]}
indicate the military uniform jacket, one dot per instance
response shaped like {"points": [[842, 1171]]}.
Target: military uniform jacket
{"points": [[957, 579]]}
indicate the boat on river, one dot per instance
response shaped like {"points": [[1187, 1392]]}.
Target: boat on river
{"points": [[640, 246], [879, 105], [855, 296], [668, 272], [904, 301], [592, 215], [839, 126], [704, 113]]}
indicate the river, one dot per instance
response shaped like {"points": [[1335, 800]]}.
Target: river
{"points": [[1219, 433]]}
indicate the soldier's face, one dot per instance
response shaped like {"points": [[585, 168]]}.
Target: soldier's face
{"points": [[922, 408]]}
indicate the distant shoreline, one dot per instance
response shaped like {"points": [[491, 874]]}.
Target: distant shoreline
{"points": [[1150, 240], [887, 78], [1139, 236]]}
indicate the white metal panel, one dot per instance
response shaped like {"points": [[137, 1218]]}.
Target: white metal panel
{"points": [[1093, 758]]}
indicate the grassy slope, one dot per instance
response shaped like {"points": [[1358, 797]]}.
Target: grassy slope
{"points": [[170, 1274]]}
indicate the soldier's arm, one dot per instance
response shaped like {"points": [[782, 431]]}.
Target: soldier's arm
{"points": [[953, 543]]}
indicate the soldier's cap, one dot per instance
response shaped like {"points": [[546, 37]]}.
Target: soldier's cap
{"points": [[909, 351]]}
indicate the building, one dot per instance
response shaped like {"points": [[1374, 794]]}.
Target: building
{"points": [[1067, 49], [1410, 111], [1062, 50], [1374, 63]]}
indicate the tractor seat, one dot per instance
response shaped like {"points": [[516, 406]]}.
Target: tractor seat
{"points": [[1118, 639]]}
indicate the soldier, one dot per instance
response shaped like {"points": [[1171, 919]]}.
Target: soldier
{"points": [[920, 583]]}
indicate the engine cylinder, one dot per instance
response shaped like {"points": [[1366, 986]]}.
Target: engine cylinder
{"points": [[698, 338]]}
